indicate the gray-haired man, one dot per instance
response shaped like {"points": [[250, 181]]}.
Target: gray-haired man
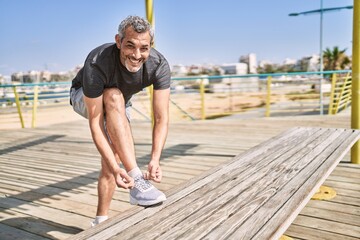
{"points": [[101, 91]]}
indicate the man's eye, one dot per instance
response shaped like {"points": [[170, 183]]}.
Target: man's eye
{"points": [[144, 49], [130, 46]]}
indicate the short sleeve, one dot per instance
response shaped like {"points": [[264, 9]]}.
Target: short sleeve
{"points": [[162, 76], [93, 80]]}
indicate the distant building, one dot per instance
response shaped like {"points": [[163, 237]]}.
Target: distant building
{"points": [[43, 76], [234, 68], [289, 61], [308, 64], [251, 62], [179, 70]]}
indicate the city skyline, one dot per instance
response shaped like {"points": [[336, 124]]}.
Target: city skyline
{"points": [[57, 36]]}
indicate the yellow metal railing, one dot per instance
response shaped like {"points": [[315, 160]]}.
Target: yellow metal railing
{"points": [[268, 96], [25, 99], [35, 104], [340, 97], [202, 97], [18, 106]]}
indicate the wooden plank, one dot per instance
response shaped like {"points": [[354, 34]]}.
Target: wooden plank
{"points": [[258, 175], [343, 179], [237, 139], [301, 232], [28, 191], [243, 218], [328, 226], [10, 233], [35, 227], [346, 141], [340, 217], [55, 215], [129, 218]]}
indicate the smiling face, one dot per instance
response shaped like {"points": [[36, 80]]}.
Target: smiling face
{"points": [[134, 48]]}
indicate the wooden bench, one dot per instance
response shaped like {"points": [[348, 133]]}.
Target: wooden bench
{"points": [[257, 195]]}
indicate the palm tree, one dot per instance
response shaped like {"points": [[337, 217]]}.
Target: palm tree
{"points": [[335, 59]]}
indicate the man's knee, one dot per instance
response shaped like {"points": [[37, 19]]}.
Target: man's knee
{"points": [[113, 100], [106, 174]]}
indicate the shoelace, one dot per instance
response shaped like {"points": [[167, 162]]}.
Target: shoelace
{"points": [[142, 184]]}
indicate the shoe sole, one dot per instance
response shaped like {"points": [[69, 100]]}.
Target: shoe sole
{"points": [[160, 199]]}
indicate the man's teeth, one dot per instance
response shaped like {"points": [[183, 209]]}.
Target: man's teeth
{"points": [[134, 60]]}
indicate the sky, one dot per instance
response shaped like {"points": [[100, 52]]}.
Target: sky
{"points": [[57, 35]]}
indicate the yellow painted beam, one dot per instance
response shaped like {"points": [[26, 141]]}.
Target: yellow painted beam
{"points": [[332, 95], [17, 101], [149, 4], [268, 96], [35, 102], [202, 97], [150, 12], [355, 106]]}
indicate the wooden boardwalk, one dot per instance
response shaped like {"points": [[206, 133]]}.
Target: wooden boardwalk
{"points": [[48, 175]]}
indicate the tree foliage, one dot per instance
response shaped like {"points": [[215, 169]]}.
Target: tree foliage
{"points": [[335, 59]]}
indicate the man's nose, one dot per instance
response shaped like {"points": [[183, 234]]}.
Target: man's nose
{"points": [[137, 54]]}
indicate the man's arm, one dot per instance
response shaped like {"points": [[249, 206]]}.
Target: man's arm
{"points": [[160, 130], [96, 123]]}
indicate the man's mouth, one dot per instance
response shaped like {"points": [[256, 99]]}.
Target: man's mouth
{"points": [[135, 61]]}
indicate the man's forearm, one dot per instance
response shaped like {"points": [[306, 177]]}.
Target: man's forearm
{"points": [[160, 132]]}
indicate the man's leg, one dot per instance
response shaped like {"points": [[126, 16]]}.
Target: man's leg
{"points": [[106, 188], [118, 127]]}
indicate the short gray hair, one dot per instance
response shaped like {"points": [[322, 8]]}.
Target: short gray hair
{"points": [[140, 25]]}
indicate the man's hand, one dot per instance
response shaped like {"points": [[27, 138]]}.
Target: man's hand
{"points": [[154, 172], [123, 180]]}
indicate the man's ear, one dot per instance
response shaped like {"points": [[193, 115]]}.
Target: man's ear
{"points": [[117, 40]]}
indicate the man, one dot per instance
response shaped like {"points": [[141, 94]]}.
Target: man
{"points": [[101, 92]]}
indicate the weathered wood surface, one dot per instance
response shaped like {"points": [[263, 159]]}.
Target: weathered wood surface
{"points": [[48, 175], [255, 196]]}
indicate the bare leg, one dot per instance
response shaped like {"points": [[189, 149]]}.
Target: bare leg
{"points": [[118, 127], [106, 188]]}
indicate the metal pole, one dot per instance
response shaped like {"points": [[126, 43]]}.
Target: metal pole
{"points": [[321, 58], [355, 105], [35, 102], [268, 96], [150, 14], [149, 11], [17, 101], [150, 17], [202, 97]]}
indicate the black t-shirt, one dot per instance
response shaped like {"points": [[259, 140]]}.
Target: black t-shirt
{"points": [[102, 69]]}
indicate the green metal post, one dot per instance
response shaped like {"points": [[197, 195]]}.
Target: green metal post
{"points": [[355, 105]]}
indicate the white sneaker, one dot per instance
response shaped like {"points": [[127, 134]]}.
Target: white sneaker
{"points": [[144, 193]]}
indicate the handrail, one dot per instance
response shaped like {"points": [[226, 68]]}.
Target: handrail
{"points": [[34, 84], [204, 85], [257, 75], [191, 78]]}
